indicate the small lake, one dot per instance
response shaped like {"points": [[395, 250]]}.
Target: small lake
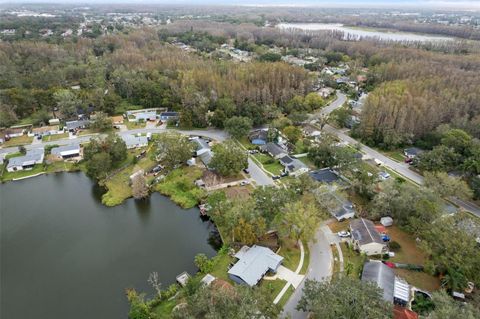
{"points": [[357, 34], [65, 255]]}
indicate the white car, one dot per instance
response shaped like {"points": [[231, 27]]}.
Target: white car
{"points": [[343, 234], [378, 162], [383, 176], [245, 182]]}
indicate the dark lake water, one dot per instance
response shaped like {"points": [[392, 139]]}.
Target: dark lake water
{"points": [[65, 255]]}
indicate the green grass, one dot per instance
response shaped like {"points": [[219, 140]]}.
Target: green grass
{"points": [[290, 253], [18, 141], [220, 268], [54, 137], [354, 258], [16, 154], [40, 168], [164, 309], [134, 125], [180, 186], [285, 297], [275, 168]]}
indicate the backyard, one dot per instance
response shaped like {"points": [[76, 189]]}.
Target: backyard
{"points": [[269, 164]]}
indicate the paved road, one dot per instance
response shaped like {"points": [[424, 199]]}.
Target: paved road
{"points": [[320, 268], [260, 177], [400, 168]]}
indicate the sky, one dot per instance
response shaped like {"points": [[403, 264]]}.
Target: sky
{"points": [[450, 4]]}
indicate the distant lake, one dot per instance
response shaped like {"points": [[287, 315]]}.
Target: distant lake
{"points": [[356, 34], [63, 255]]}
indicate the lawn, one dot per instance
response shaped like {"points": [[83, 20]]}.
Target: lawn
{"points": [[409, 253], [8, 176], [54, 137], [164, 309], [307, 161], [134, 125], [246, 143], [290, 253], [119, 185], [220, 268], [272, 287], [18, 141], [180, 186], [270, 164], [352, 261]]}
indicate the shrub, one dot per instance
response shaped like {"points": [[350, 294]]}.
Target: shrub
{"points": [[394, 246]]}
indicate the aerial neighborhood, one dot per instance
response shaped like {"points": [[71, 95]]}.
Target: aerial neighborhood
{"points": [[239, 162]]}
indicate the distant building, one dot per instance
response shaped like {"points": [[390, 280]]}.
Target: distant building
{"points": [[253, 263], [142, 115], [27, 161], [325, 175], [73, 126], [412, 152], [135, 141], [169, 116], [365, 237]]}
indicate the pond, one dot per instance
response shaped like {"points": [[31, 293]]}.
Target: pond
{"points": [[65, 255], [356, 34]]}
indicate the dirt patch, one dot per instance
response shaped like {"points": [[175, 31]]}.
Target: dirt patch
{"points": [[336, 226], [238, 192], [212, 179]]}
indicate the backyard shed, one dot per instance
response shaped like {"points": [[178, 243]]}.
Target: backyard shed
{"points": [[386, 221]]}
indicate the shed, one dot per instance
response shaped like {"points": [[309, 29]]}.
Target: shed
{"points": [[253, 263], [183, 278], [207, 279], [386, 221]]}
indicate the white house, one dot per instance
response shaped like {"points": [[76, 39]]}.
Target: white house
{"points": [[66, 151], [293, 166], [365, 237], [135, 141]]}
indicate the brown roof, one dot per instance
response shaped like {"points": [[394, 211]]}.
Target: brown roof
{"points": [[403, 313], [116, 119]]}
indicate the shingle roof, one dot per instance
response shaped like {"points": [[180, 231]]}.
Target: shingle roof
{"points": [[30, 158], [254, 262], [131, 140], [363, 230], [65, 149], [325, 175], [273, 149], [382, 275]]}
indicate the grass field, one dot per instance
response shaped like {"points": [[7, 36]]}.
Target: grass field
{"points": [[180, 186], [271, 165], [18, 141], [54, 167], [54, 137]]}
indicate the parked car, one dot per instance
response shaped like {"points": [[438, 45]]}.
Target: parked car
{"points": [[245, 182], [246, 171], [284, 174], [343, 234], [275, 177], [378, 162], [385, 237], [383, 175]]}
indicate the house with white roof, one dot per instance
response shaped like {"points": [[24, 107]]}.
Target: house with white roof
{"points": [[253, 263], [133, 141], [66, 151]]}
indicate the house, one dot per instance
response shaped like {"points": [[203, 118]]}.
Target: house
{"points": [[135, 141], [380, 274], [142, 115], [344, 212], [311, 131], [27, 161], [325, 175], [395, 289], [258, 137], [253, 263], [67, 151], [403, 313], [73, 126], [206, 157], [412, 152], [365, 237], [325, 92], [12, 132], [169, 116], [46, 130], [274, 150], [54, 122], [202, 146], [293, 166]]}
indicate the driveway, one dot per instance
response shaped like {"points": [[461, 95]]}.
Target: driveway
{"points": [[320, 268], [289, 276]]}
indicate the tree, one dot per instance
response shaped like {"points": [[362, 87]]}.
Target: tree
{"points": [[228, 158], [270, 57], [313, 101], [445, 185], [238, 126], [203, 263], [293, 133], [270, 200], [101, 122], [7, 116], [139, 187], [227, 302], [344, 297], [447, 308], [174, 148], [299, 221], [328, 154], [67, 102], [99, 165], [138, 307]]}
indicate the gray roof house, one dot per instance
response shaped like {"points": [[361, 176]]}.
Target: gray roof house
{"points": [[365, 238], [345, 211], [135, 141], [325, 175], [274, 150], [32, 157], [206, 157], [395, 289], [66, 151], [294, 166], [382, 276], [412, 152], [253, 263], [75, 125], [202, 146]]}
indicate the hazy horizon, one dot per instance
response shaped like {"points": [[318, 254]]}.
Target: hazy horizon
{"points": [[430, 4]]}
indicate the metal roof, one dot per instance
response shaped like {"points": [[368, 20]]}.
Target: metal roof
{"points": [[30, 158], [382, 275], [254, 262], [132, 141], [66, 149], [325, 175]]}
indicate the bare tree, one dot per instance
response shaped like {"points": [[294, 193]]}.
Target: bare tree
{"points": [[139, 187], [153, 281]]}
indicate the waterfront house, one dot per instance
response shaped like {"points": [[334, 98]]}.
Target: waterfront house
{"points": [[253, 263], [66, 151], [27, 161]]}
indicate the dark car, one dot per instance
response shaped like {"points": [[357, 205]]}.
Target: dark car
{"points": [[275, 177], [246, 171]]}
